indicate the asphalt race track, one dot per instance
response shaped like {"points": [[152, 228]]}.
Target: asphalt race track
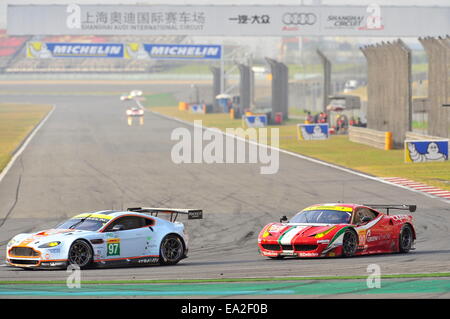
{"points": [[86, 157]]}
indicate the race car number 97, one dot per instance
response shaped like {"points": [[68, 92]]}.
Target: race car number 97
{"points": [[113, 247]]}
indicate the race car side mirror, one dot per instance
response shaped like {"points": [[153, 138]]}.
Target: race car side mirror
{"points": [[283, 219]]}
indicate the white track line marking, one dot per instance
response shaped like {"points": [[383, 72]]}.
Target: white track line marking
{"points": [[347, 170], [25, 144]]}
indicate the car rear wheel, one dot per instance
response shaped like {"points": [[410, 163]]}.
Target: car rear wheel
{"points": [[406, 239], [80, 254], [350, 243], [171, 250]]}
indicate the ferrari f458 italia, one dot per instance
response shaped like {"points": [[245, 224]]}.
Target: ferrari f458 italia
{"points": [[329, 230]]}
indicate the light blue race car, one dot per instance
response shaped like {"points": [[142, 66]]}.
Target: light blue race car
{"points": [[136, 236]]}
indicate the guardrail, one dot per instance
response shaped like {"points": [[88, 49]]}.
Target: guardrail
{"points": [[418, 136], [378, 139]]}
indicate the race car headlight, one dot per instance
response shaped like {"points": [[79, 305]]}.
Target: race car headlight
{"points": [[12, 242], [50, 244]]}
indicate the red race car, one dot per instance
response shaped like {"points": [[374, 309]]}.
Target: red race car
{"points": [[329, 230], [135, 111]]}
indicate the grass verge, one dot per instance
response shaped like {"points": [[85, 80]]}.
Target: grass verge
{"points": [[162, 99], [16, 122], [219, 280], [337, 150]]}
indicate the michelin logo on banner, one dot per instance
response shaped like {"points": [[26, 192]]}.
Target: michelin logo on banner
{"points": [[255, 120], [139, 51], [197, 108], [308, 132], [426, 151], [41, 50], [136, 51], [181, 51]]}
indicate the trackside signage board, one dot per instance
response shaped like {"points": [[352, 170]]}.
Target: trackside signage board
{"points": [[47, 50], [74, 50], [175, 51], [227, 20]]}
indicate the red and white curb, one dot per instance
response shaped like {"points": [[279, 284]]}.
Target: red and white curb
{"points": [[431, 190]]}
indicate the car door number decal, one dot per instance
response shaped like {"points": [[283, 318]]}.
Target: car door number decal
{"points": [[113, 247]]}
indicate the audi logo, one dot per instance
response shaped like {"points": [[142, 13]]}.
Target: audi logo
{"points": [[299, 18]]}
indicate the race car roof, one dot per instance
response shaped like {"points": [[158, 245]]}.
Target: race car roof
{"points": [[333, 206], [104, 214]]}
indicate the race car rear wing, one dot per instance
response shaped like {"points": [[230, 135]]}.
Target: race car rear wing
{"points": [[411, 208], [192, 213]]}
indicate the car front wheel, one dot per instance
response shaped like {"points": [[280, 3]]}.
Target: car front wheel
{"points": [[80, 254], [350, 243]]}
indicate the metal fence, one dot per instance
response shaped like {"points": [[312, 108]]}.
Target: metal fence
{"points": [[438, 52], [280, 87], [389, 89], [245, 86]]}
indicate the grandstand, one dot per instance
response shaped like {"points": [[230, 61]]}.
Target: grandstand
{"points": [[13, 57], [9, 48]]}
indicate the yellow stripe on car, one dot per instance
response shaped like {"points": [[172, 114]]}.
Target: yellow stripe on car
{"points": [[338, 208], [100, 216]]}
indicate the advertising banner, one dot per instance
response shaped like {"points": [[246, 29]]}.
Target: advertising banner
{"points": [[183, 51], [198, 108], [308, 132], [426, 151], [255, 120], [42, 50], [45, 50], [228, 20]]}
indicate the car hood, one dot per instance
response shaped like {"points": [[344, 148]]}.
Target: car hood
{"points": [[277, 231], [46, 236]]}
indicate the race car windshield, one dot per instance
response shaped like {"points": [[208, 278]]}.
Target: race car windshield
{"points": [[322, 217], [87, 224]]}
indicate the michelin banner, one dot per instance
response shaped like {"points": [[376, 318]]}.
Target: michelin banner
{"points": [[426, 151], [308, 132], [43, 50], [255, 120], [198, 108], [180, 51], [47, 50]]}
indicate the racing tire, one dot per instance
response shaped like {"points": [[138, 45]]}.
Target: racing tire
{"points": [[80, 254], [349, 243], [406, 239], [171, 250]]}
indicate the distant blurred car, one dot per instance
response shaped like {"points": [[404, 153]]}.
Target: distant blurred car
{"points": [[135, 93], [135, 111], [126, 97]]}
